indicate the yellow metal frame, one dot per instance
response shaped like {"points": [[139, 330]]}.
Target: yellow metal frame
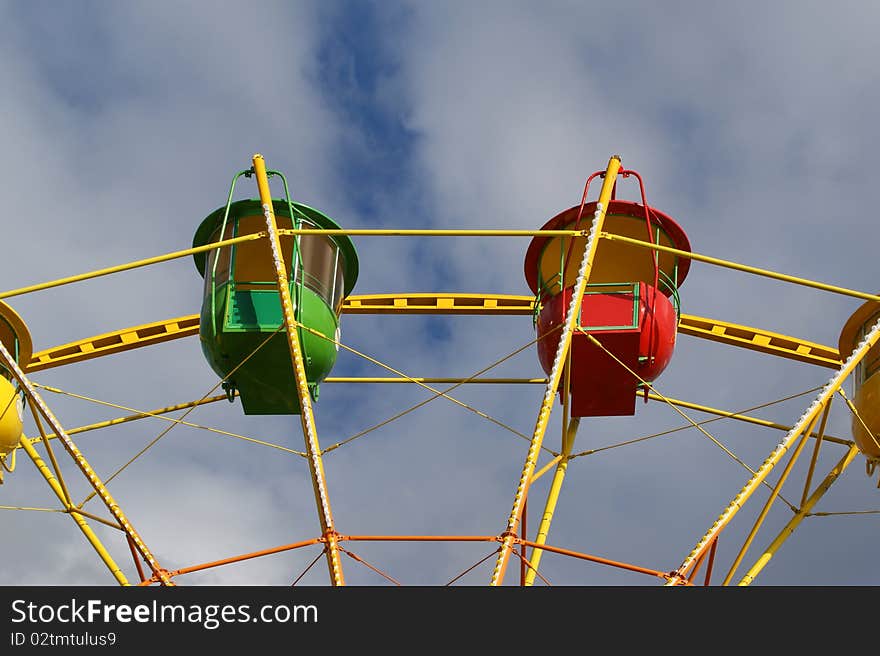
{"points": [[76, 515], [799, 516], [97, 484], [552, 499], [571, 317], [307, 417], [514, 535], [723, 332], [804, 425]]}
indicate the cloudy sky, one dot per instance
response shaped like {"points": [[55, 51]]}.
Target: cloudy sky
{"points": [[753, 125]]}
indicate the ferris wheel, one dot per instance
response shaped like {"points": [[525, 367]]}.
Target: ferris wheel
{"points": [[603, 321]]}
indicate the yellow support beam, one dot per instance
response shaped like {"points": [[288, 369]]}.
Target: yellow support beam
{"points": [[74, 512], [552, 500], [572, 313], [428, 232], [307, 418], [115, 342], [128, 266], [97, 484], [491, 304], [743, 267], [775, 492], [732, 334], [795, 521], [777, 454], [762, 341], [741, 417]]}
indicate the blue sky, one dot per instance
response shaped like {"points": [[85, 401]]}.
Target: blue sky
{"points": [[753, 126]]}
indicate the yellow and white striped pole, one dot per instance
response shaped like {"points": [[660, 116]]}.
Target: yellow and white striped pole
{"points": [[9, 362], [556, 371], [307, 417], [806, 419], [795, 521]]}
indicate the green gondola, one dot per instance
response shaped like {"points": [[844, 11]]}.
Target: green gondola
{"points": [[241, 328]]}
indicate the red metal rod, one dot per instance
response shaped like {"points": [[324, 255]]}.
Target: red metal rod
{"points": [[247, 556], [311, 564], [137, 562], [473, 567], [696, 567], [575, 226], [418, 538], [428, 538], [523, 535], [529, 565], [711, 560], [567, 257], [375, 569], [596, 559], [656, 258]]}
